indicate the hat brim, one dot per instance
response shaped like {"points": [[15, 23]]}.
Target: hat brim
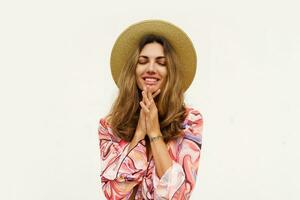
{"points": [[129, 39]]}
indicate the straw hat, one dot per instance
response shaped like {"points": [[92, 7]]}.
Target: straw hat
{"points": [[129, 39]]}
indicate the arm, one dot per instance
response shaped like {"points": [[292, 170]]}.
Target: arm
{"points": [[122, 163], [174, 180], [159, 149], [160, 154], [179, 180]]}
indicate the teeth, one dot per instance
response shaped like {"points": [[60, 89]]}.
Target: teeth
{"points": [[150, 79]]}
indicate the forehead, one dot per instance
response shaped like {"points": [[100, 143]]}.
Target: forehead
{"points": [[152, 50]]}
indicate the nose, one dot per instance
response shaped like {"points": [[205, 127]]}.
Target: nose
{"points": [[151, 66]]}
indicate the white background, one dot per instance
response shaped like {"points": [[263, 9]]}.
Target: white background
{"points": [[55, 85]]}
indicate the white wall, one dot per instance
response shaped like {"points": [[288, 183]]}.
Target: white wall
{"points": [[55, 84]]}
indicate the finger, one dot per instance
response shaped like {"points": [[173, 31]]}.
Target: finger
{"points": [[156, 93], [145, 98], [144, 107], [149, 94], [150, 97]]}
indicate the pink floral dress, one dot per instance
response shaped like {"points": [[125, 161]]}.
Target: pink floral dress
{"points": [[122, 170]]}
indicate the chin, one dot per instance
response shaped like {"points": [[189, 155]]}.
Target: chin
{"points": [[154, 88]]}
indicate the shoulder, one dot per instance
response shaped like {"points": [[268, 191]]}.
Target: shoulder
{"points": [[103, 124], [192, 127], [105, 130], [193, 116]]}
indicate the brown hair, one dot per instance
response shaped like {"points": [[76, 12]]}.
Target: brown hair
{"points": [[125, 111]]}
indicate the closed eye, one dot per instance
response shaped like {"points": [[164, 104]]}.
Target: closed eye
{"points": [[143, 60], [162, 61]]}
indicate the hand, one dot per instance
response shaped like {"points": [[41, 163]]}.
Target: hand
{"points": [[141, 129], [141, 126], [150, 112]]}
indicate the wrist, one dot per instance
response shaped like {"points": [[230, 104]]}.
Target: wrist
{"points": [[135, 140], [154, 138], [138, 136], [154, 133]]}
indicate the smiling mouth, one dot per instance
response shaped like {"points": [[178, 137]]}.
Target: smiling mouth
{"points": [[151, 81]]}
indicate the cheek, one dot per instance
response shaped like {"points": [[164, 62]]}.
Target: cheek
{"points": [[137, 76], [164, 73], [137, 73], [138, 70]]}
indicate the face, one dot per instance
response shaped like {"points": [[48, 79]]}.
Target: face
{"points": [[151, 69]]}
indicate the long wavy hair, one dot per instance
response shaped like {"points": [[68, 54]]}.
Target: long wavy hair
{"points": [[124, 114]]}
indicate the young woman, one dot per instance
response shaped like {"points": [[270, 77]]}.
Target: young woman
{"points": [[150, 141]]}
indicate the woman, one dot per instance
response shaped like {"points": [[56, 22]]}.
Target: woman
{"points": [[150, 141]]}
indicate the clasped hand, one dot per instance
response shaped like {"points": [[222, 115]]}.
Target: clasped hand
{"points": [[148, 122]]}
